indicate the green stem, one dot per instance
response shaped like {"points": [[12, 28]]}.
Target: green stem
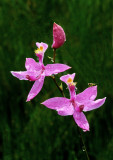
{"points": [[83, 143], [61, 91], [53, 77], [54, 55]]}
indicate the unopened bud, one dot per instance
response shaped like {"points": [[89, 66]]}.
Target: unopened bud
{"points": [[59, 36]]}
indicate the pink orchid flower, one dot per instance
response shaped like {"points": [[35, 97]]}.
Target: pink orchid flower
{"points": [[59, 36], [75, 106], [37, 71]]}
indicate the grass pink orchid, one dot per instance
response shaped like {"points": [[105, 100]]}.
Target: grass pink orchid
{"points": [[36, 71], [59, 36], [84, 101]]}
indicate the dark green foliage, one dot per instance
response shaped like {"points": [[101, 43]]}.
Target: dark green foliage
{"points": [[30, 131]]}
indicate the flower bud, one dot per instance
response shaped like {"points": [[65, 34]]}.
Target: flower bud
{"points": [[59, 36]]}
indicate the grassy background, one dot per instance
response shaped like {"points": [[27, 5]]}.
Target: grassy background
{"points": [[30, 131]]}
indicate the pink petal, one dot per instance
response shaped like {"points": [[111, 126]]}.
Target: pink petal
{"points": [[68, 109], [26, 75], [65, 77], [32, 65], [59, 36], [81, 120], [55, 68], [56, 103], [20, 75], [90, 105], [36, 88], [88, 94], [44, 45]]}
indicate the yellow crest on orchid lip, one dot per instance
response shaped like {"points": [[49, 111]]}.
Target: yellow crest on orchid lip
{"points": [[69, 80], [39, 50]]}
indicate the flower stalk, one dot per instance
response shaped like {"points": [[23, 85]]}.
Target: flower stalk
{"points": [[83, 144], [62, 92], [54, 54]]}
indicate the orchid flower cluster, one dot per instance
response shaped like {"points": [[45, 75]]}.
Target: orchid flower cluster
{"points": [[37, 71]]}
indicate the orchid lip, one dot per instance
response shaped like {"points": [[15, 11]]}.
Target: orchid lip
{"points": [[39, 50], [69, 80]]}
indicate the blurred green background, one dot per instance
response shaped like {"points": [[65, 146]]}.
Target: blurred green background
{"points": [[29, 130]]}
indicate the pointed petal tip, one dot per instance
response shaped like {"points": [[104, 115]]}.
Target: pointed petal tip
{"points": [[27, 59], [12, 72], [85, 130], [27, 100], [42, 103], [55, 25], [69, 67], [37, 43], [95, 87], [73, 75], [104, 99]]}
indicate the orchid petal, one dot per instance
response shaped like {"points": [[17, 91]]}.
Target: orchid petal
{"points": [[90, 105], [68, 109], [56, 103], [65, 77], [26, 75], [20, 75], [32, 65], [55, 68], [88, 94], [37, 86], [81, 120]]}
